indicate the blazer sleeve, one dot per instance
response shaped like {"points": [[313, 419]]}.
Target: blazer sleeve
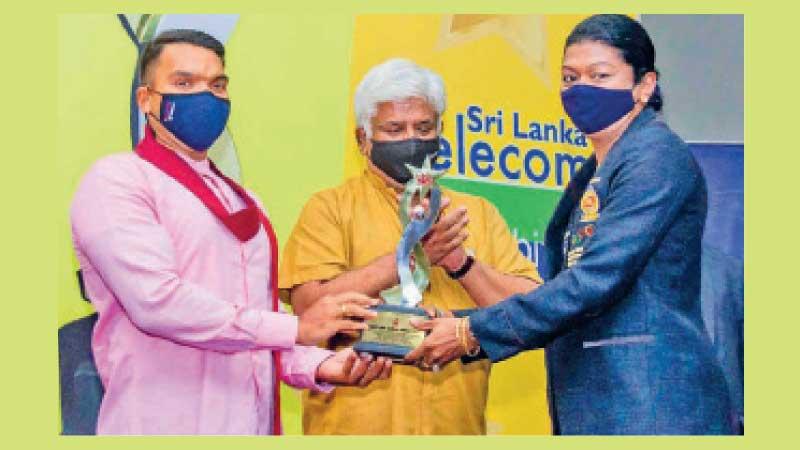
{"points": [[645, 196]]}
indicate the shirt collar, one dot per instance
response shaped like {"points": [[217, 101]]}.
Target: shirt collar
{"points": [[202, 167], [385, 191]]}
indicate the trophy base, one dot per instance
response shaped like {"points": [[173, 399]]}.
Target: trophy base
{"points": [[390, 334]]}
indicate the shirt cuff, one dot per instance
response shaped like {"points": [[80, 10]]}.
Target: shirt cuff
{"points": [[300, 368], [272, 330]]}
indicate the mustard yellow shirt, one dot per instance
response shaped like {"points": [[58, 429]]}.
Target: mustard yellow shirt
{"points": [[347, 227]]}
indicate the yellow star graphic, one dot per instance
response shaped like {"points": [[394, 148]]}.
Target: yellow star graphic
{"points": [[525, 33]]}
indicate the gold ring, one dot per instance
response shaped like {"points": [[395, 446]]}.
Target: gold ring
{"points": [[344, 310]]}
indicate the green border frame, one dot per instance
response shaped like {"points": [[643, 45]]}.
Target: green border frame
{"points": [[32, 220]]}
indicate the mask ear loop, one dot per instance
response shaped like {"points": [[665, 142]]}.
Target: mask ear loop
{"points": [[656, 90], [150, 88], [153, 117], [361, 141], [642, 98]]}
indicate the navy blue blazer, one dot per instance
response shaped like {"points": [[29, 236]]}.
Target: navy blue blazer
{"points": [[626, 349]]}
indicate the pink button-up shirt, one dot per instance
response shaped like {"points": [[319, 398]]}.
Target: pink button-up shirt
{"points": [[185, 328]]}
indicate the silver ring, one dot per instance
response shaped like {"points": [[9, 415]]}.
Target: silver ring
{"points": [[435, 368]]}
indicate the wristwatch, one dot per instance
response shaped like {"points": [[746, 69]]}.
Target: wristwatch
{"points": [[461, 271]]}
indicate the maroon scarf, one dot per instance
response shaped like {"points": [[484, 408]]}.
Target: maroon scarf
{"points": [[243, 224]]}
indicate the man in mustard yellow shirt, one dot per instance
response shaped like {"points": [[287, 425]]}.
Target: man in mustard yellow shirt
{"points": [[345, 238]]}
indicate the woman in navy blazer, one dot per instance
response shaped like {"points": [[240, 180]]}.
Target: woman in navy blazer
{"points": [[619, 315]]}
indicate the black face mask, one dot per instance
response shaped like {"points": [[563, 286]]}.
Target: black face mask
{"points": [[392, 156]]}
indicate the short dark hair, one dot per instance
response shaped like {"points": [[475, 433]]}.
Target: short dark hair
{"points": [[626, 35], [152, 50]]}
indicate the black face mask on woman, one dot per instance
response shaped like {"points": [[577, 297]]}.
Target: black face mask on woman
{"points": [[392, 156]]}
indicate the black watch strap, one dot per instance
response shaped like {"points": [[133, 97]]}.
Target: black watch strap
{"points": [[458, 274]]}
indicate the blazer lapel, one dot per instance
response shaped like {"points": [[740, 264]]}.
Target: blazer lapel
{"points": [[558, 223]]}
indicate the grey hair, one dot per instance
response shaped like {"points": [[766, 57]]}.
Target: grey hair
{"points": [[397, 79]]}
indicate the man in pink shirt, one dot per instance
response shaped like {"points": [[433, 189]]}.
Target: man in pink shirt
{"points": [[181, 264]]}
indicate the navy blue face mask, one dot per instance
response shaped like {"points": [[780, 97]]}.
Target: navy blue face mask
{"points": [[196, 119], [593, 108]]}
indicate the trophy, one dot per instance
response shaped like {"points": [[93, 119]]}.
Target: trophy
{"points": [[391, 334]]}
